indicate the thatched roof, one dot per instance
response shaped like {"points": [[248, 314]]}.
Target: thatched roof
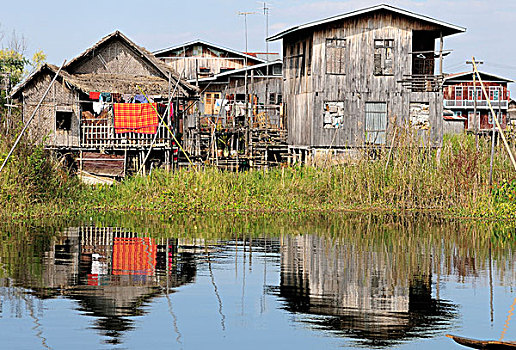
{"points": [[140, 51], [117, 83], [121, 83]]}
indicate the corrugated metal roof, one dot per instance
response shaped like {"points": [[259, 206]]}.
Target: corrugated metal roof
{"points": [[204, 42]]}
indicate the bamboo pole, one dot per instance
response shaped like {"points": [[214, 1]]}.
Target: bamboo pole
{"points": [[167, 112], [31, 117], [170, 131], [511, 156], [390, 150]]}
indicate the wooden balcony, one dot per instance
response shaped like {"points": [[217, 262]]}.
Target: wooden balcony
{"points": [[422, 82], [101, 134], [481, 104]]}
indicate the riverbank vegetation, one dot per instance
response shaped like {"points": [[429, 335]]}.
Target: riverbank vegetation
{"points": [[452, 181]]}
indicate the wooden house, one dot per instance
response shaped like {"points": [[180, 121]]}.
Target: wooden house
{"points": [[225, 110], [349, 78], [264, 83], [459, 97], [360, 289], [226, 78], [200, 59], [79, 114]]}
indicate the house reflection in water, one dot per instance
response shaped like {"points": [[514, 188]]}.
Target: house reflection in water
{"points": [[368, 293], [112, 273]]}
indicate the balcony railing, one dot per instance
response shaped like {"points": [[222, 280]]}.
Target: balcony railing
{"points": [[481, 104], [422, 83], [101, 134]]}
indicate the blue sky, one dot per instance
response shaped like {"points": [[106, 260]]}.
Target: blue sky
{"points": [[63, 29]]}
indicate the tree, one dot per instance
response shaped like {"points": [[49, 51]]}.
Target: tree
{"points": [[14, 65]]}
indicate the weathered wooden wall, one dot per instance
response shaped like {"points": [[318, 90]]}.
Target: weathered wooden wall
{"points": [[43, 127], [187, 66], [307, 85], [451, 127], [189, 61]]}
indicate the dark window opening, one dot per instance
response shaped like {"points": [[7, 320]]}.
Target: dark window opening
{"points": [[276, 70], [423, 46], [64, 120], [309, 59], [303, 60], [279, 98], [335, 56], [272, 97], [383, 57]]}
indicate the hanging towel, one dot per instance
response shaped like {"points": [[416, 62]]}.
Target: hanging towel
{"points": [[140, 99], [94, 95], [105, 97], [117, 97], [98, 107], [139, 118], [127, 98]]}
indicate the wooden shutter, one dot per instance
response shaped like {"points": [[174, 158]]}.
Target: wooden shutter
{"points": [[377, 62], [335, 56], [375, 122]]}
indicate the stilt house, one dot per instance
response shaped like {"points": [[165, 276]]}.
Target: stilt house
{"points": [[459, 97], [350, 78], [226, 117], [221, 122], [200, 59], [98, 107]]}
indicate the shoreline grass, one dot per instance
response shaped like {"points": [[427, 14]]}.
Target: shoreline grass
{"points": [[452, 182]]}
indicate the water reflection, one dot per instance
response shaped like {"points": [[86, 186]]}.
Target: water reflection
{"points": [[368, 281], [111, 273], [361, 289]]}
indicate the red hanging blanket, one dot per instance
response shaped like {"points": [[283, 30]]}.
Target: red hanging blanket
{"points": [[136, 117]]}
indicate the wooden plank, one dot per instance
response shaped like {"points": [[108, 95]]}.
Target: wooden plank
{"points": [[103, 164]]}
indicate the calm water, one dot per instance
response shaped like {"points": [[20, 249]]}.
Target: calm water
{"points": [[134, 282]]}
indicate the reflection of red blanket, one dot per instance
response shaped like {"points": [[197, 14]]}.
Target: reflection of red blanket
{"points": [[136, 117], [134, 256]]}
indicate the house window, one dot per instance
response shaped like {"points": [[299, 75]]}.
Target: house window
{"points": [[276, 70], [293, 61], [279, 98], [494, 93], [309, 59], [498, 115], [335, 56], [303, 60], [333, 114], [383, 57], [197, 50], [471, 94], [64, 120], [457, 113], [209, 102], [458, 92], [375, 122], [272, 98]]}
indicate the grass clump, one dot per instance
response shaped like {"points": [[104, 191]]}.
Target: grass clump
{"points": [[452, 180]]}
